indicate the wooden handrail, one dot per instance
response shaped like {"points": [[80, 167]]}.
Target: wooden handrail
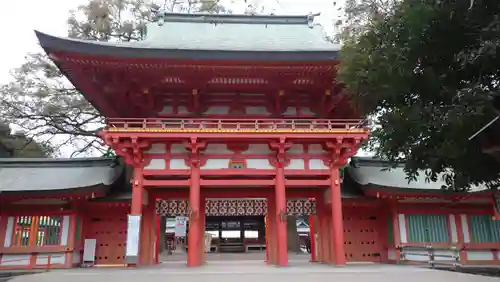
{"points": [[235, 124], [48, 265], [431, 254]]}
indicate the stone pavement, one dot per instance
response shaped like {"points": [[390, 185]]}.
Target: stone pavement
{"points": [[255, 271]]}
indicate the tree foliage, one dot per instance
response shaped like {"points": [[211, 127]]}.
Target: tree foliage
{"points": [[18, 145], [428, 70], [46, 106]]}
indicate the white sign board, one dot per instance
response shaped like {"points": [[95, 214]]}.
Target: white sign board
{"points": [[180, 226], [89, 250], [133, 233]]}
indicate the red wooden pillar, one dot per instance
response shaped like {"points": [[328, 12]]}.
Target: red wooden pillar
{"points": [[157, 236], [312, 237], [202, 229], [136, 204], [320, 214], [71, 245], [460, 237], [327, 231], [266, 221], [280, 215], [395, 230], [194, 234], [137, 192], [271, 237], [337, 220]]}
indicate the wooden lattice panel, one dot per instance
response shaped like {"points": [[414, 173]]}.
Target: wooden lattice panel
{"points": [[234, 207], [361, 234], [110, 233]]}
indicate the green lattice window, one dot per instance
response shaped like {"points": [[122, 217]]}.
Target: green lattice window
{"points": [[427, 228], [484, 230], [78, 230], [390, 231]]}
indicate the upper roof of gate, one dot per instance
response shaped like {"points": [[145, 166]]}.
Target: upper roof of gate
{"points": [[205, 36]]}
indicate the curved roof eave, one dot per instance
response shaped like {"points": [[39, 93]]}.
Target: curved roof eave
{"points": [[57, 175], [394, 179], [133, 51]]}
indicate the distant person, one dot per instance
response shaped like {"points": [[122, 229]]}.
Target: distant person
{"points": [[308, 244]]}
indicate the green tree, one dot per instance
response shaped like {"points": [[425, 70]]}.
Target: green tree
{"points": [[18, 145], [40, 100], [427, 70]]}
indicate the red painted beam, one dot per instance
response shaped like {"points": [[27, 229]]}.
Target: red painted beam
{"points": [[307, 183], [235, 172], [166, 183], [238, 182], [166, 172]]}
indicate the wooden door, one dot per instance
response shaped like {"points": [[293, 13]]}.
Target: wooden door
{"points": [[362, 229], [110, 233]]}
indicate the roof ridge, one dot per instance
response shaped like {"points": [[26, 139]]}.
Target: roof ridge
{"points": [[235, 18], [54, 161]]}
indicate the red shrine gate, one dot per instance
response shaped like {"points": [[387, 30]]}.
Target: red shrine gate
{"points": [[243, 119], [133, 150]]}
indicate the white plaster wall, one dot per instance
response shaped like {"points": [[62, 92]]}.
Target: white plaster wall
{"points": [[290, 111], [156, 164], [480, 255], [306, 111], [8, 232], [55, 258], [296, 149], [259, 164], [465, 228], [217, 149], [182, 110], [257, 111], [177, 148], [402, 228], [317, 164], [216, 164], [453, 228], [167, 110], [217, 110], [178, 164], [295, 164], [65, 230], [255, 149], [157, 148], [13, 260], [316, 149]]}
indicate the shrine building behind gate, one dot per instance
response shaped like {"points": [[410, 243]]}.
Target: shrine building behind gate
{"points": [[231, 115]]}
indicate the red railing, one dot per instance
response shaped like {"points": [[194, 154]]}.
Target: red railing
{"points": [[29, 266], [243, 125]]}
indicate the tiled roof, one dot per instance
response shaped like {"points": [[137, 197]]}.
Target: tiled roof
{"points": [[375, 172], [238, 33], [204, 36], [40, 175]]}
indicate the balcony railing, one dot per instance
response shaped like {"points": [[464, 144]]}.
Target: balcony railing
{"points": [[235, 125]]}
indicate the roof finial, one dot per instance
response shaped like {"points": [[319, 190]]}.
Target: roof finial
{"points": [[159, 15], [310, 20]]}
